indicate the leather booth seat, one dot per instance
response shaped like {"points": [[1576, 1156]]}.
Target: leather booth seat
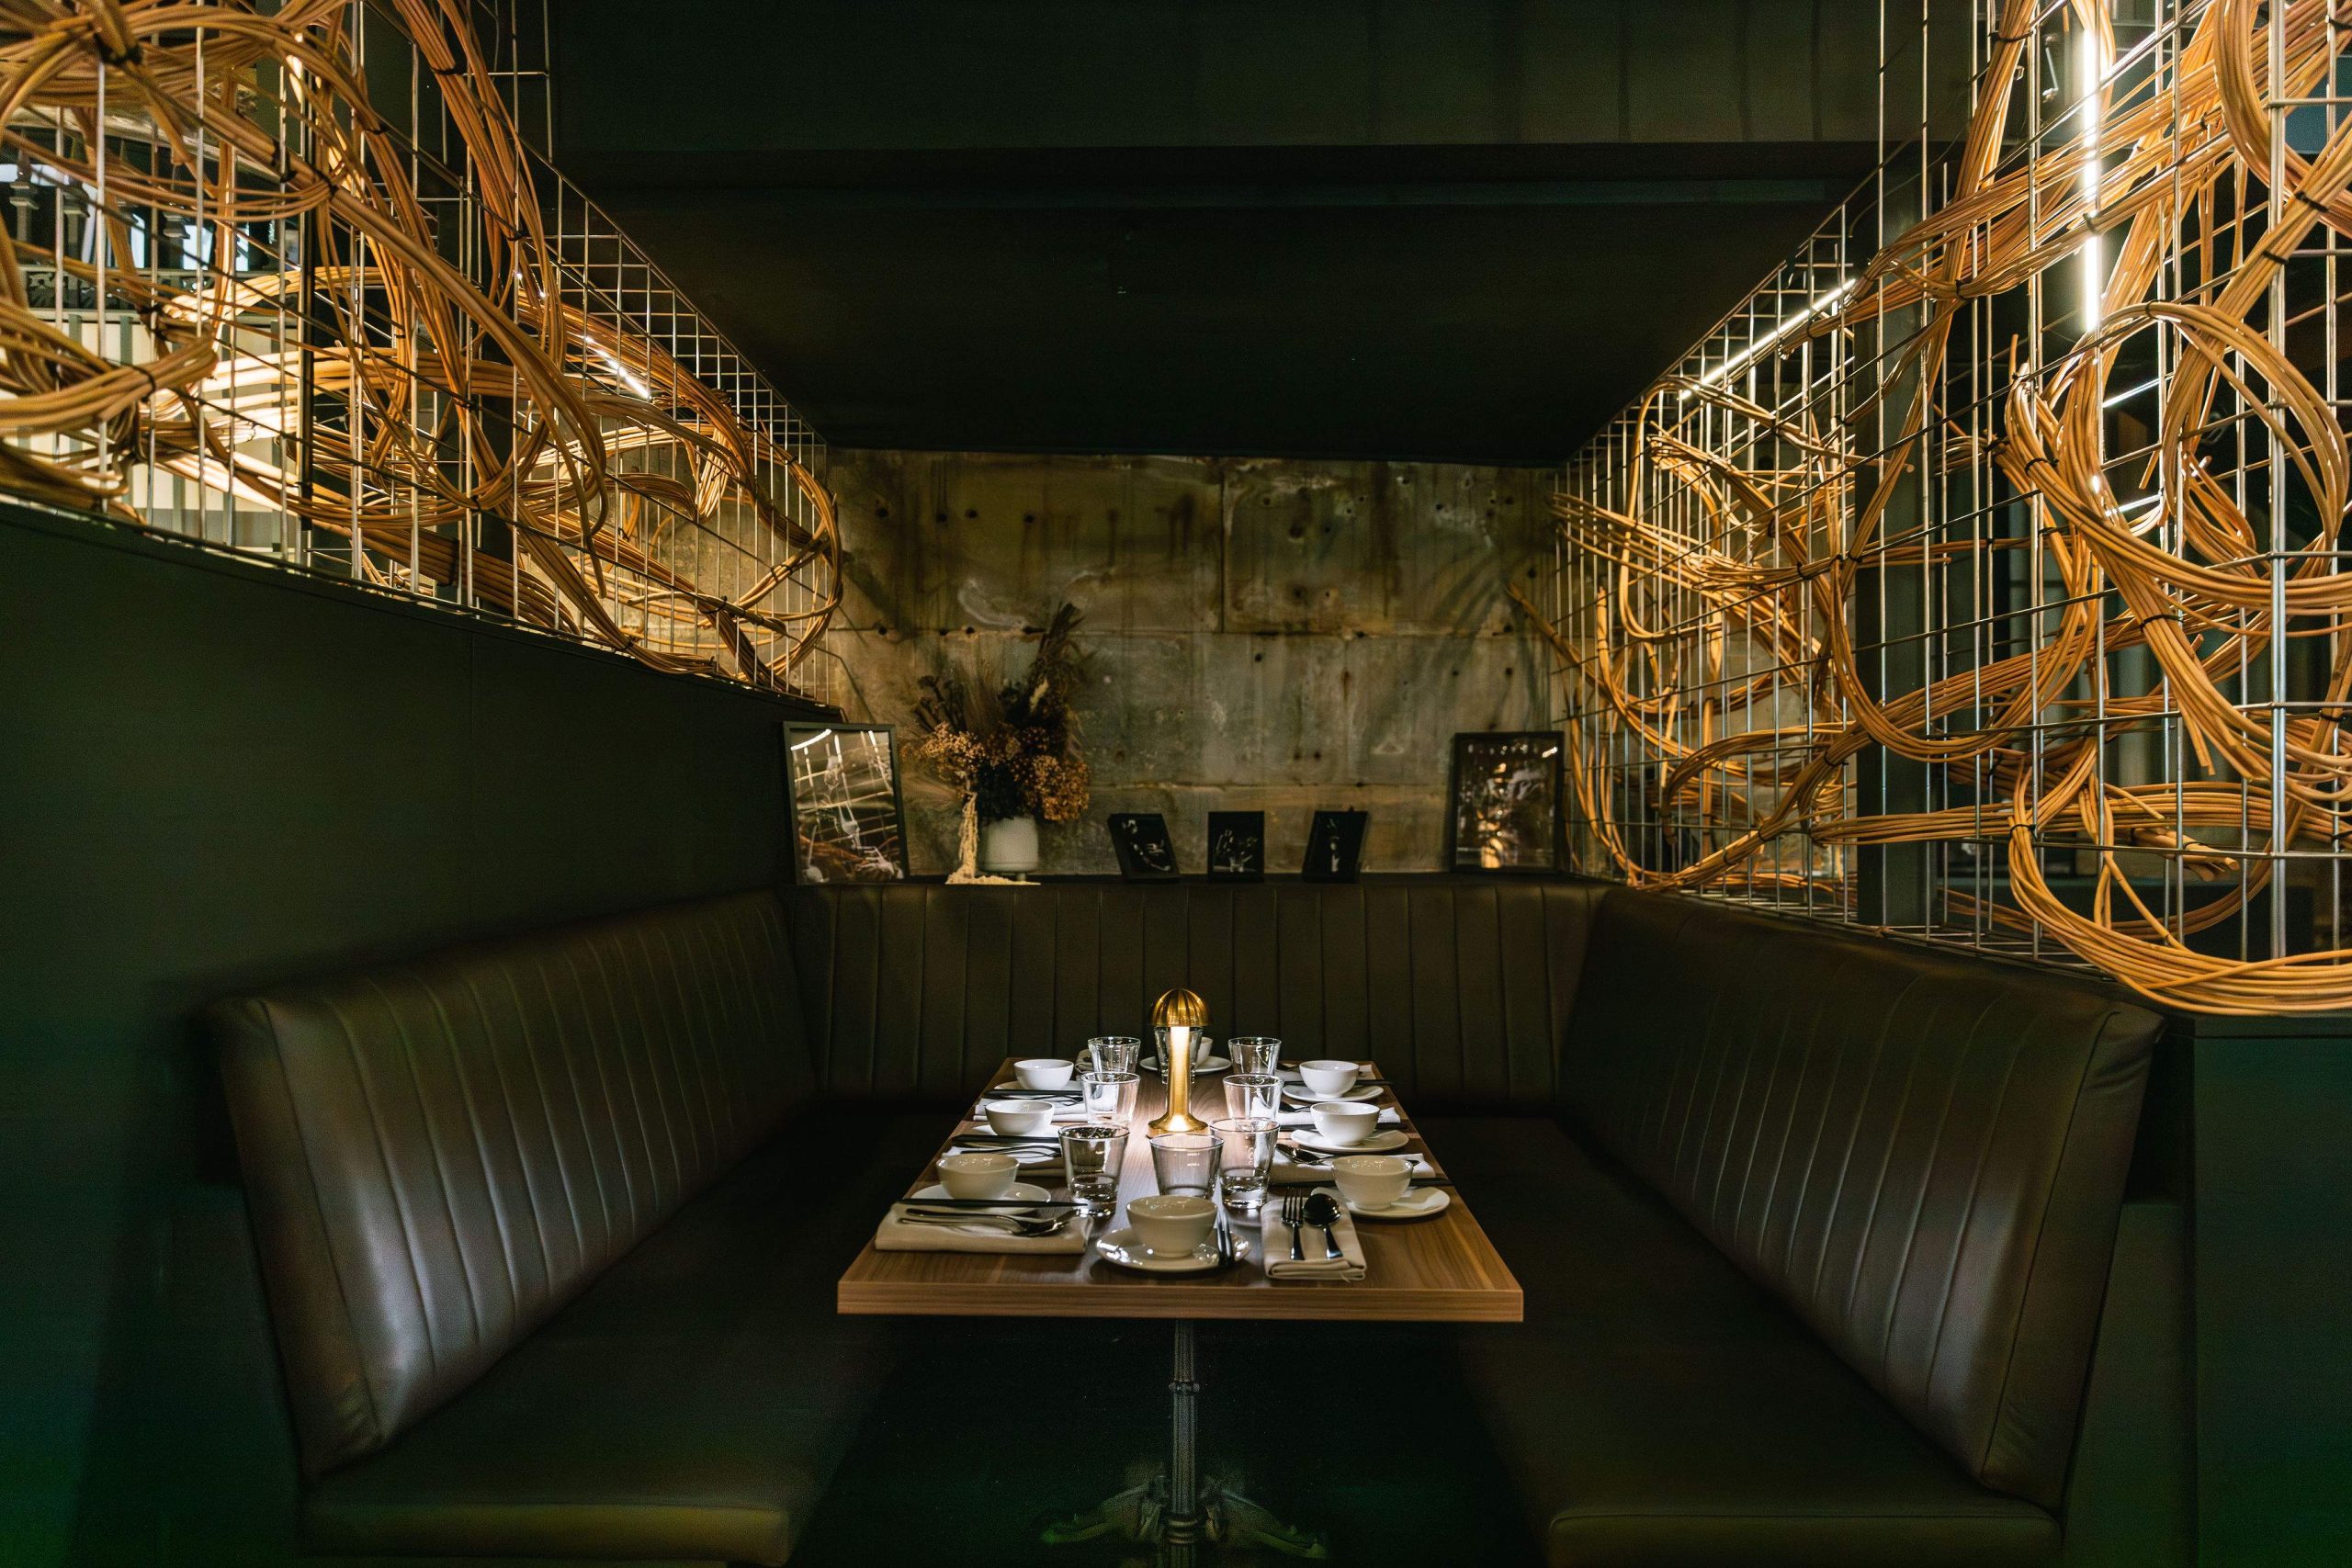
{"points": [[536, 1287], [1813, 1228], [1656, 1407]]}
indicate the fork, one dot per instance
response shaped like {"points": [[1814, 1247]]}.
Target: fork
{"points": [[1294, 1216]]}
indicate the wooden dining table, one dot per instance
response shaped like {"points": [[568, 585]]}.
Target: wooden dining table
{"points": [[1439, 1270]]}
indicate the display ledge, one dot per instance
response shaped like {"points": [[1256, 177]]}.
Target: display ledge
{"points": [[129, 538]]}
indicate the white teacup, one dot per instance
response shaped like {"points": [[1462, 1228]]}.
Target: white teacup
{"points": [[1372, 1182], [1345, 1121], [1329, 1078], [1170, 1224], [976, 1175], [1042, 1071], [1018, 1118]]}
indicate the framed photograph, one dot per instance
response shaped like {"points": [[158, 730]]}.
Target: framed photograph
{"points": [[1334, 846], [1503, 803], [1238, 846], [1145, 853], [841, 785]]}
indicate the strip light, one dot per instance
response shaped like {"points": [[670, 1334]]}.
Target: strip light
{"points": [[2094, 73], [1731, 367]]}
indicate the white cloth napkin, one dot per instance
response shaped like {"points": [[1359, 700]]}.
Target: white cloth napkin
{"points": [[1287, 1170], [1388, 1118], [1274, 1236], [895, 1235]]}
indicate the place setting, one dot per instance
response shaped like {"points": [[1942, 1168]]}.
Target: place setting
{"points": [[1184, 1227], [1024, 1118], [1214, 1205], [978, 1205]]}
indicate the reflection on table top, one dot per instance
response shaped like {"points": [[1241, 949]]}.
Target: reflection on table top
{"points": [[1436, 1270]]}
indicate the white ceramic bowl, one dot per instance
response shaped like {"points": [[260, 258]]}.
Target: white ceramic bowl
{"points": [[1042, 1071], [1345, 1121], [1372, 1182], [976, 1175], [1170, 1224], [1329, 1078], [1018, 1118]]}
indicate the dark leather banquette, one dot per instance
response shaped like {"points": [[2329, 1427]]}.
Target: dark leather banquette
{"points": [[1815, 1229]]}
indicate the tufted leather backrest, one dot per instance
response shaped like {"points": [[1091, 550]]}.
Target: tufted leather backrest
{"points": [[441, 1153], [1922, 1154], [1459, 986]]}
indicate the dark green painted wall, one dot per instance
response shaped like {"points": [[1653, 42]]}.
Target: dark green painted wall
{"points": [[215, 774], [2273, 1292], [1463, 230], [722, 74]]}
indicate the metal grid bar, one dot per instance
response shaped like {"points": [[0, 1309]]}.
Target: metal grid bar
{"points": [[1934, 589], [382, 339]]}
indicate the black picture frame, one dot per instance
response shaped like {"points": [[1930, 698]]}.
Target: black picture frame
{"points": [[1334, 846], [1505, 807], [1236, 846], [1146, 852], [842, 800]]}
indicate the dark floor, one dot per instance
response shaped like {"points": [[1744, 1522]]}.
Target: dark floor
{"points": [[993, 1432]]}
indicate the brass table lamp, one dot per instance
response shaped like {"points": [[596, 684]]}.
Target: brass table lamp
{"points": [[1178, 1019]]}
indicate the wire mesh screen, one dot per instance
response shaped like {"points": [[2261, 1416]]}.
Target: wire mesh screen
{"points": [[1979, 578], [295, 282]]}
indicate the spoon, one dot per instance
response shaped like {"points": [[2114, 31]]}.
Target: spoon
{"points": [[1320, 1212]]}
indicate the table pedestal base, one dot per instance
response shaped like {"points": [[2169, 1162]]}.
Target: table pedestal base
{"points": [[1173, 1508]]}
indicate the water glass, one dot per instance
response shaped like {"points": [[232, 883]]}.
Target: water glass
{"points": [[1245, 1159], [1185, 1163], [1095, 1156], [1252, 1094], [1110, 1096], [1257, 1055], [1114, 1053]]}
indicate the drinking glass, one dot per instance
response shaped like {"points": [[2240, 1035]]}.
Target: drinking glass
{"points": [[1252, 1094], [1257, 1055], [1110, 1096], [1245, 1159], [1185, 1163], [1095, 1155], [1114, 1053]]}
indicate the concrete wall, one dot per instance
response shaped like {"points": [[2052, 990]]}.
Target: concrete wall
{"points": [[1266, 634]]}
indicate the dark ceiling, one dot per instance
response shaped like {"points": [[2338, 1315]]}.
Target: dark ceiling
{"points": [[1460, 231]]}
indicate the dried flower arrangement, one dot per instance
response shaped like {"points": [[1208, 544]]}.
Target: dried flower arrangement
{"points": [[1014, 751]]}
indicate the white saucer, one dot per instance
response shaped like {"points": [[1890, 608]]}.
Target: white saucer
{"points": [[1122, 1249], [1418, 1203], [1380, 1143], [1019, 1192], [1307, 1097], [1022, 1157], [1206, 1065]]}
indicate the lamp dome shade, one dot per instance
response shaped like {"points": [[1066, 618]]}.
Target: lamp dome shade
{"points": [[1179, 1008]]}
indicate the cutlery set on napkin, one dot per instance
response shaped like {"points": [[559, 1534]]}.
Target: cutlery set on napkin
{"points": [[923, 1225], [1310, 1235], [1294, 1166], [1305, 1237]]}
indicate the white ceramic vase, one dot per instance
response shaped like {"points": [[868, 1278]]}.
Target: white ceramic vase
{"points": [[1009, 848]]}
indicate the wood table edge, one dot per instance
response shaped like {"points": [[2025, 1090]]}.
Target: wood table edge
{"points": [[1316, 1303]]}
